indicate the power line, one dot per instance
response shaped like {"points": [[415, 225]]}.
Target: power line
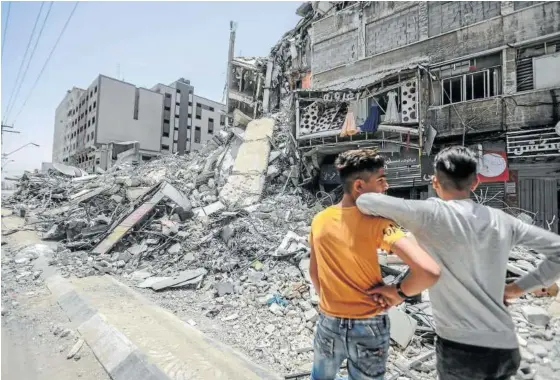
{"points": [[8, 108], [6, 27], [47, 61], [30, 57]]}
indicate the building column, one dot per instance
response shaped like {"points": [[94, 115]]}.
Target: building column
{"points": [[361, 43], [423, 20], [509, 71], [506, 7]]}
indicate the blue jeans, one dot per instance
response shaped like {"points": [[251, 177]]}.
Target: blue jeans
{"points": [[363, 342]]}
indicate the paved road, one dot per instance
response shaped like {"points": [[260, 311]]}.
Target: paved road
{"points": [[30, 350]]}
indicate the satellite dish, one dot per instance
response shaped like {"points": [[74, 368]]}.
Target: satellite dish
{"points": [[557, 128]]}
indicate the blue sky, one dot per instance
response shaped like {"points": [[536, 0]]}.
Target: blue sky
{"points": [[151, 42]]}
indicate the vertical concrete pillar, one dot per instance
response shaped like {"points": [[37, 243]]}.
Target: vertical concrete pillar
{"points": [[506, 7], [361, 35], [509, 75], [423, 20]]}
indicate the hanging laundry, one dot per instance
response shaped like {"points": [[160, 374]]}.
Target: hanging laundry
{"points": [[392, 114], [360, 110], [372, 122], [349, 126]]}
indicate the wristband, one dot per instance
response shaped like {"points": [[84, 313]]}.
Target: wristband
{"points": [[400, 292]]}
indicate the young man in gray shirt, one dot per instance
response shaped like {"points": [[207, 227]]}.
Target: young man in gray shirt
{"points": [[471, 243]]}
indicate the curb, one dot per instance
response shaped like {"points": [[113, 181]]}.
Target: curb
{"points": [[117, 354]]}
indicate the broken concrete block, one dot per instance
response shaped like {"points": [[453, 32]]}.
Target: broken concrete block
{"points": [[269, 329], [535, 315], [259, 129], [227, 233], [75, 349], [402, 327], [311, 315], [117, 198], [175, 248], [276, 309], [537, 350], [224, 288], [141, 275], [239, 118], [242, 190], [209, 210]]}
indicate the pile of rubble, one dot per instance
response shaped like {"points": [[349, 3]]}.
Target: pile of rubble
{"points": [[231, 221]]}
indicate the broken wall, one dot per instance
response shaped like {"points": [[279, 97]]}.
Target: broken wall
{"points": [[338, 38]]}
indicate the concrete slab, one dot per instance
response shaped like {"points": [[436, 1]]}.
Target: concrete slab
{"points": [[259, 129], [252, 158], [242, 190]]}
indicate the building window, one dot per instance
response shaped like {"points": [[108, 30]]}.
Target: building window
{"points": [[167, 108], [178, 104], [222, 120], [210, 126], [211, 109], [165, 128], [164, 147], [198, 117], [94, 105], [190, 104], [197, 128], [89, 108], [167, 95], [178, 91], [95, 89], [89, 123], [93, 120], [478, 85], [197, 135]]}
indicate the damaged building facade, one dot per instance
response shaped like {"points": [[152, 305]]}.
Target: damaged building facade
{"points": [[410, 78]]}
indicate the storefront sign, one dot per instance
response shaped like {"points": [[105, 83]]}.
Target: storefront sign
{"points": [[533, 143], [426, 168], [401, 160], [492, 167]]}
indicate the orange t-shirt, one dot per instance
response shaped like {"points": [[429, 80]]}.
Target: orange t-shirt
{"points": [[345, 243]]}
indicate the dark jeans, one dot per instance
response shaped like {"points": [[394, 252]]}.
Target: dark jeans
{"points": [[363, 342], [457, 361]]}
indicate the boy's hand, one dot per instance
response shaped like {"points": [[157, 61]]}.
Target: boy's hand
{"points": [[386, 296], [512, 291]]}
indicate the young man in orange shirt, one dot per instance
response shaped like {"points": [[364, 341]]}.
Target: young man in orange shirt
{"points": [[344, 267]]}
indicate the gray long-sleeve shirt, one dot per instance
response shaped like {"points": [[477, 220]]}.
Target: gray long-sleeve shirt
{"points": [[471, 243]]}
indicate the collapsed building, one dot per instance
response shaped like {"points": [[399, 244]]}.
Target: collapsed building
{"points": [[409, 78]]}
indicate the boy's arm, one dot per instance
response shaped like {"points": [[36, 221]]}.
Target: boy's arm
{"points": [[411, 214], [424, 271], [313, 269], [542, 241]]}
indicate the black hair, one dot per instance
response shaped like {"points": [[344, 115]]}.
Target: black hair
{"points": [[357, 164], [455, 167]]}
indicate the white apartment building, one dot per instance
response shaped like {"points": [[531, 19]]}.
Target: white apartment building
{"points": [[109, 110], [163, 119], [62, 120], [209, 119]]}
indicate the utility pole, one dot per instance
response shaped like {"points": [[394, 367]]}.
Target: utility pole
{"points": [[8, 129], [232, 28]]}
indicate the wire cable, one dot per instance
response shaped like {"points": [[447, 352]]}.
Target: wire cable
{"points": [[48, 59], [6, 27], [8, 108], [31, 57]]}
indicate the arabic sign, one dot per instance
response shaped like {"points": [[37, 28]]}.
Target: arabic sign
{"points": [[401, 160], [329, 175], [339, 96], [533, 143]]}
